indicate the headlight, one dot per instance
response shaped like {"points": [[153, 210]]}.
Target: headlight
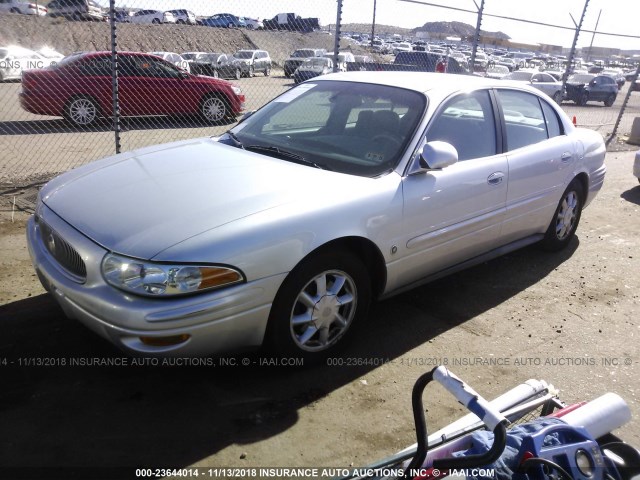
{"points": [[236, 90], [156, 279]]}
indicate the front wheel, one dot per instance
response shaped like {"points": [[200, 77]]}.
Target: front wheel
{"points": [[318, 306], [251, 72], [565, 219], [583, 99], [267, 71], [557, 97], [237, 74]]}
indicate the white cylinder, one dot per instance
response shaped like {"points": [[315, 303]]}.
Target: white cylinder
{"points": [[600, 416]]}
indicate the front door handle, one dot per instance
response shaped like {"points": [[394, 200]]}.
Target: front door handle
{"points": [[495, 178], [566, 156]]}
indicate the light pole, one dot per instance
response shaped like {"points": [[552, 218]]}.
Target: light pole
{"points": [[373, 25]]}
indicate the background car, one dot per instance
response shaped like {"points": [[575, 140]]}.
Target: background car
{"points": [[252, 23], [14, 60], [79, 89], [76, 10], [253, 61], [343, 59], [183, 16], [540, 80], [583, 88], [617, 74], [497, 71], [174, 58], [190, 56], [218, 65], [152, 16], [20, 6], [223, 20], [298, 57], [313, 67]]}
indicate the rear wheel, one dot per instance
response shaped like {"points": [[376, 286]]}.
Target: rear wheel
{"points": [[156, 21], [182, 22], [214, 109], [565, 219], [318, 305], [610, 100], [15, 10], [231, 25], [238, 74], [251, 72], [583, 99], [81, 111], [267, 71]]}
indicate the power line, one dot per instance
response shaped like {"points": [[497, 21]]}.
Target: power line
{"points": [[503, 17]]}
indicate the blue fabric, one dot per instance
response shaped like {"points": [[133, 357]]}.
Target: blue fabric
{"points": [[505, 467]]}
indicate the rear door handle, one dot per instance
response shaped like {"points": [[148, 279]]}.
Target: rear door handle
{"points": [[495, 178]]}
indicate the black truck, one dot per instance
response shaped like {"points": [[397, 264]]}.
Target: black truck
{"points": [[414, 62], [291, 21]]}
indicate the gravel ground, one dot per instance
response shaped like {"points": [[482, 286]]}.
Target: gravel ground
{"points": [[569, 318]]}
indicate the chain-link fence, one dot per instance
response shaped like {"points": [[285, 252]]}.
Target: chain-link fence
{"points": [[125, 78]]}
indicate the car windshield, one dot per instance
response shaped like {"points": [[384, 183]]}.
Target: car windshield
{"points": [[193, 56], [243, 55], [581, 78], [210, 57], [354, 128], [303, 54]]}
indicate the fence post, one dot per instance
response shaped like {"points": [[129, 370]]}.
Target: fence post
{"points": [[572, 53], [624, 106], [114, 74], [336, 44], [476, 38]]}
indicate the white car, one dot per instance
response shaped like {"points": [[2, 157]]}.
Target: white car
{"points": [[253, 23], [174, 58], [343, 59], [401, 47], [25, 8], [345, 189], [313, 67], [152, 16], [14, 60], [183, 16]]}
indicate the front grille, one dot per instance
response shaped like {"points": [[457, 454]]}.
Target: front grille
{"points": [[62, 252]]}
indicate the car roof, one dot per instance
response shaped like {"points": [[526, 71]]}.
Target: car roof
{"points": [[425, 81]]}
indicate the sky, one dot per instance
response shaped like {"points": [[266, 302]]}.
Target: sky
{"points": [[616, 16]]}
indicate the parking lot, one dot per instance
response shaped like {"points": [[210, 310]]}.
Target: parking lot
{"points": [[71, 399]]}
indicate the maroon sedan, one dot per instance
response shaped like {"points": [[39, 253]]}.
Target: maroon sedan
{"points": [[79, 89]]}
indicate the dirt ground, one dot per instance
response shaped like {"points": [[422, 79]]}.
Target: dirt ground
{"points": [[569, 318]]}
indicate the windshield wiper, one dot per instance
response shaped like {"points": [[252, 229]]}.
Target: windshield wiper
{"points": [[285, 154], [234, 140]]}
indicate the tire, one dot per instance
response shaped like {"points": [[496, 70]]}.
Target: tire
{"points": [[82, 111], [181, 22], [583, 99], [156, 21], [250, 26], [238, 74], [610, 100], [318, 306], [214, 109], [557, 97], [15, 10], [267, 71], [565, 218], [231, 25], [76, 16], [251, 73]]}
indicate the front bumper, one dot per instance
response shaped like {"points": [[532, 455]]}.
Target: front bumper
{"points": [[220, 321]]}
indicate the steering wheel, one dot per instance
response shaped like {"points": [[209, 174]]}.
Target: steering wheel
{"points": [[388, 138]]}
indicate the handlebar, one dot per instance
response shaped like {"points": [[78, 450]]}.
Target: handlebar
{"points": [[491, 417]]}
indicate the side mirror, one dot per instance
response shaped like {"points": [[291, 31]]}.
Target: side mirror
{"points": [[437, 155]]}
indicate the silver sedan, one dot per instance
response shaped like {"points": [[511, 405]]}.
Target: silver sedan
{"points": [[346, 189]]}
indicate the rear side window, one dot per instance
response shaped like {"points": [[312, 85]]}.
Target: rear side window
{"points": [[524, 120], [467, 123], [554, 126]]}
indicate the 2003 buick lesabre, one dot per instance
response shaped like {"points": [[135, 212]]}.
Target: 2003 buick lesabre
{"points": [[281, 232]]}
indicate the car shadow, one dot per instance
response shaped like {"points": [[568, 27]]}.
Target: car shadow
{"points": [[127, 124], [632, 195], [92, 415]]}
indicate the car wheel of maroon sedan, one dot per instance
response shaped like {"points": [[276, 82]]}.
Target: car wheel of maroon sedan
{"points": [[81, 111], [214, 109]]}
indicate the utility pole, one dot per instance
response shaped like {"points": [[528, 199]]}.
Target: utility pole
{"points": [[476, 39], [572, 53], [373, 25], [593, 36]]}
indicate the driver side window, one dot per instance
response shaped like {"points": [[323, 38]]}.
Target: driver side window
{"points": [[467, 123]]}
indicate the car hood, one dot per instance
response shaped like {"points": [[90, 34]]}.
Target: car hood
{"points": [[141, 203]]}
